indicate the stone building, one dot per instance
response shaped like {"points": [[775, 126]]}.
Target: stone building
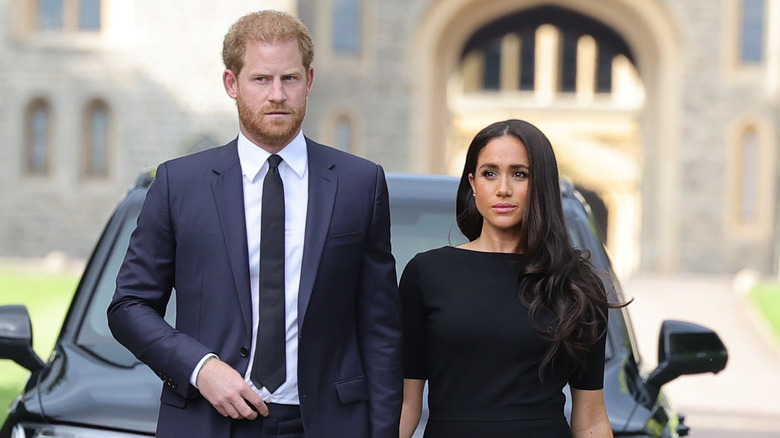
{"points": [[95, 91], [664, 113]]}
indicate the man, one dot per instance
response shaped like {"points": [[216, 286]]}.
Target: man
{"points": [[334, 369]]}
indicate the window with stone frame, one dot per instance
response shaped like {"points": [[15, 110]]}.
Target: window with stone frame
{"points": [[96, 139], [37, 144], [751, 32], [343, 134], [65, 16], [750, 183], [347, 26]]}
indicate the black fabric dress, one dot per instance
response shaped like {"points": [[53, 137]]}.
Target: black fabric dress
{"points": [[468, 334]]}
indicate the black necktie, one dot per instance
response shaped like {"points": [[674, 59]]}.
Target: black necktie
{"points": [[268, 369]]}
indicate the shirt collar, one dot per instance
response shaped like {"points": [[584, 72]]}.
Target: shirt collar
{"points": [[253, 157]]}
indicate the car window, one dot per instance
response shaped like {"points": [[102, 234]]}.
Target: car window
{"points": [[584, 235], [94, 334], [417, 229], [577, 226]]}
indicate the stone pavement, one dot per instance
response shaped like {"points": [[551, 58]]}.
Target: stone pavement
{"points": [[744, 399]]}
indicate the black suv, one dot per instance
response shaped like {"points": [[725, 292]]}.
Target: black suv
{"points": [[91, 386]]}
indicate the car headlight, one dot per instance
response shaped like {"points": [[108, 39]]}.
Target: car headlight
{"points": [[33, 430]]}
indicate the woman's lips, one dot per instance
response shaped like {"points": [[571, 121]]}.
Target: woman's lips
{"points": [[503, 208]]}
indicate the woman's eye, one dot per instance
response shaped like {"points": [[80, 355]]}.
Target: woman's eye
{"points": [[521, 174], [489, 174]]}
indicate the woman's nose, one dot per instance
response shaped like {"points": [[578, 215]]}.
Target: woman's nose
{"points": [[503, 188]]}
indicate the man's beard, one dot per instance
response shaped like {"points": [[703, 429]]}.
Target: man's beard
{"points": [[275, 132]]}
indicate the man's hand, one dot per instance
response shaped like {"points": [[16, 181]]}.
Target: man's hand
{"points": [[227, 391]]}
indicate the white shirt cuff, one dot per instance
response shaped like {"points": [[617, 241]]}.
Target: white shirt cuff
{"points": [[196, 371]]}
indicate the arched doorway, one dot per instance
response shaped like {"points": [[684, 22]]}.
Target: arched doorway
{"points": [[608, 142]]}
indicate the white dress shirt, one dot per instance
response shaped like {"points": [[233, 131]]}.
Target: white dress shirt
{"points": [[295, 178]]}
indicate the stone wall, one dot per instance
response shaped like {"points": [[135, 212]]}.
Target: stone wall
{"points": [[158, 68]]}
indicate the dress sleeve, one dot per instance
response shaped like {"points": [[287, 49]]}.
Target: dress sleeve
{"points": [[415, 346], [593, 378]]}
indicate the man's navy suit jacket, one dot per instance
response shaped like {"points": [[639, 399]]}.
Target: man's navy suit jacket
{"points": [[191, 236]]}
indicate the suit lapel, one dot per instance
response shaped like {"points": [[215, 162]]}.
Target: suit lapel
{"points": [[227, 186], [322, 194]]}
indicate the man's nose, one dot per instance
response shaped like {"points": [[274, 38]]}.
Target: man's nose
{"points": [[277, 92]]}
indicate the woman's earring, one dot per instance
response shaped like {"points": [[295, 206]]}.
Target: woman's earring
{"points": [[474, 195]]}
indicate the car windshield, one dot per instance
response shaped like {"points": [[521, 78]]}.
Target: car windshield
{"points": [[416, 227]]}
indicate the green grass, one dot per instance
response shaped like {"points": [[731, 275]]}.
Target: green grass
{"points": [[766, 297], [47, 297]]}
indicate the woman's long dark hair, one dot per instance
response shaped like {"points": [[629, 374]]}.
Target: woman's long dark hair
{"points": [[558, 284]]}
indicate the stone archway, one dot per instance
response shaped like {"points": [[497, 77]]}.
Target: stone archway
{"points": [[650, 34]]}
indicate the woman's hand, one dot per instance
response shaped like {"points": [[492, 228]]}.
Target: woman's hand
{"points": [[412, 407], [588, 414]]}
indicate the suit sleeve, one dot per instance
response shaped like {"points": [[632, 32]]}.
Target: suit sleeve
{"points": [[143, 288], [379, 320]]}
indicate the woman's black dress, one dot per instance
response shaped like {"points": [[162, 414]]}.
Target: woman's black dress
{"points": [[468, 334]]}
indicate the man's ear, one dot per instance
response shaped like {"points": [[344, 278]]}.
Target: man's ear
{"points": [[230, 81], [309, 80]]}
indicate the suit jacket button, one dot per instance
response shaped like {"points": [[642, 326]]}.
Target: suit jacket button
{"points": [[244, 352]]}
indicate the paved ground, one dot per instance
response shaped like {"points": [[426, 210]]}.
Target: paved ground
{"points": [[744, 399]]}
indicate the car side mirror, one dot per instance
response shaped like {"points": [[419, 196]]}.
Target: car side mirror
{"points": [[685, 348], [16, 337]]}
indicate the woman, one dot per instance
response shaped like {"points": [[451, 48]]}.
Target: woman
{"points": [[499, 325]]}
